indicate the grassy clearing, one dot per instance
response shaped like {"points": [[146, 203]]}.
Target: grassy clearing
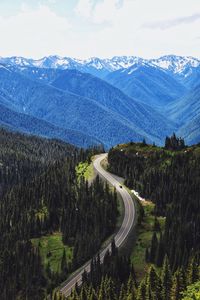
{"points": [[86, 170], [144, 235], [51, 250]]}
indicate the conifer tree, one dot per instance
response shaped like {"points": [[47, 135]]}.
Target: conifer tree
{"points": [[166, 279], [153, 248], [193, 271], [154, 287], [178, 285], [141, 293], [64, 263]]}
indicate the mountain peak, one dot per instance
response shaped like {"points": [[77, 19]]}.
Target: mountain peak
{"points": [[177, 64]]}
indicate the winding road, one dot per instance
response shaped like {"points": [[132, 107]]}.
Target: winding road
{"points": [[121, 235]]}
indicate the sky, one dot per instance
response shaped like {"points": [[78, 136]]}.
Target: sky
{"points": [[102, 28]]}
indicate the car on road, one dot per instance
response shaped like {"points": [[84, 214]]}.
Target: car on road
{"points": [[120, 186]]}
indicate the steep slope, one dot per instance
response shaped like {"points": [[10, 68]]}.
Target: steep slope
{"points": [[45, 75], [186, 111], [148, 83], [28, 124], [191, 131], [192, 78], [187, 108], [114, 99]]}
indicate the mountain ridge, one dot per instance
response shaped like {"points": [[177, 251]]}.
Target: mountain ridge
{"points": [[173, 63]]}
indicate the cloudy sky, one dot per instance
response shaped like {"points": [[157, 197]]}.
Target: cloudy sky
{"points": [[104, 28]]}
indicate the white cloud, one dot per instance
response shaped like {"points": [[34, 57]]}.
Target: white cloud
{"points": [[84, 8], [98, 12], [165, 24], [32, 32], [105, 28], [105, 10], [126, 34]]}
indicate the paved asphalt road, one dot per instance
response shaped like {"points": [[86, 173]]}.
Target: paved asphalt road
{"points": [[120, 236]]}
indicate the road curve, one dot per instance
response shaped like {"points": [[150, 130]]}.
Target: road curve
{"points": [[121, 235]]}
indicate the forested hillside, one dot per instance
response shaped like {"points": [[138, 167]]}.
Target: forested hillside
{"points": [[40, 196], [170, 177]]}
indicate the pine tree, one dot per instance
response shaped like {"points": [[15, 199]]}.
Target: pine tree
{"points": [[64, 269], [193, 271], [141, 294], [154, 287], [131, 290], [160, 252], [166, 279], [122, 293], [147, 255], [178, 285], [153, 248], [113, 248]]}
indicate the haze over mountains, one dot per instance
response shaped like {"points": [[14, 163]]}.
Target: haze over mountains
{"points": [[107, 101]]}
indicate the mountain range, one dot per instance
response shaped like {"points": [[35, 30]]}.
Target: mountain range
{"points": [[107, 101], [179, 65]]}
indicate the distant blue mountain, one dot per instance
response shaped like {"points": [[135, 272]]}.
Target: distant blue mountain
{"points": [[191, 131], [147, 83], [187, 108], [191, 79], [44, 75], [88, 86], [112, 120], [186, 112]]}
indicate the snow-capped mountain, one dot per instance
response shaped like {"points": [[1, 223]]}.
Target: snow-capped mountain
{"points": [[57, 62], [45, 62], [181, 65], [178, 65], [121, 62]]}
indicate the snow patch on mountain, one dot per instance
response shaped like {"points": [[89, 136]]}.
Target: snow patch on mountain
{"points": [[178, 65]]}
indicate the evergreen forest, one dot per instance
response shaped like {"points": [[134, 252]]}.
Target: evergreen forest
{"points": [[40, 196]]}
